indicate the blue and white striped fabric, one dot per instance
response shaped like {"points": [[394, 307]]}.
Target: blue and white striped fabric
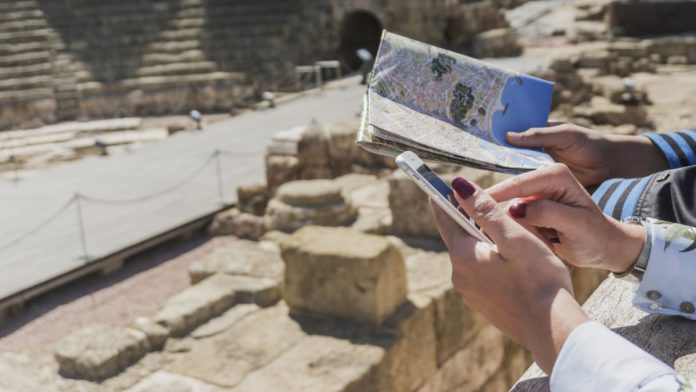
{"points": [[678, 147], [619, 197]]}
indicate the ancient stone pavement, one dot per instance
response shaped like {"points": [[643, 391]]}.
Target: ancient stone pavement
{"points": [[128, 215]]}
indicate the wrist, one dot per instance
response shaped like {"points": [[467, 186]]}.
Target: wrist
{"points": [[623, 150], [562, 314], [627, 244]]}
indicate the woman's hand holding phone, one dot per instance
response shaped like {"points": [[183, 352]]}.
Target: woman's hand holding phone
{"points": [[518, 283]]}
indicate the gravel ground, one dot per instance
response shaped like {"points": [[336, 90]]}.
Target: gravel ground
{"points": [[139, 289]]}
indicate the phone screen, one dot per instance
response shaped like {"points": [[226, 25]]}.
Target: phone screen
{"points": [[437, 182]]}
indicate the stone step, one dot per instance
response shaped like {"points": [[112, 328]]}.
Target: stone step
{"points": [[28, 14], [189, 56], [25, 71], [25, 59], [171, 80], [9, 49], [25, 83], [18, 37], [13, 6], [22, 25], [178, 69], [26, 95]]}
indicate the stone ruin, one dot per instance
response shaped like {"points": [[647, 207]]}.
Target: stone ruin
{"points": [[341, 284], [86, 60]]}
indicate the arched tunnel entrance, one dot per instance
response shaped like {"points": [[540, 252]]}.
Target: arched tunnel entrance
{"points": [[360, 29]]}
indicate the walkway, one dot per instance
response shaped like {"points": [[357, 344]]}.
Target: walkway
{"points": [[118, 217]]}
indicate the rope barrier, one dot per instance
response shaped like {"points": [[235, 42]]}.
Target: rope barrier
{"points": [[75, 200], [39, 226], [162, 192]]}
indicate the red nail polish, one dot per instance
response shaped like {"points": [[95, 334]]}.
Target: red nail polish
{"points": [[518, 210], [463, 187]]}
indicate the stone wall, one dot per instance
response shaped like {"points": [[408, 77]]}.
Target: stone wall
{"points": [[79, 59]]}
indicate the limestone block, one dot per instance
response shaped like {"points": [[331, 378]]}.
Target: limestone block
{"points": [[598, 59], [429, 274], [164, 381], [312, 148], [302, 203], [250, 344], [279, 170], [411, 361], [666, 47], [310, 193], [156, 334], [471, 367], [319, 363], [341, 147], [617, 90], [354, 181], [237, 223], [601, 111], [373, 220], [241, 257], [99, 351], [224, 321], [253, 198], [496, 43], [203, 301], [343, 273], [471, 18]]}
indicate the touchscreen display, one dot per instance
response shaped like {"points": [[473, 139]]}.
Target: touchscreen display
{"points": [[437, 182]]}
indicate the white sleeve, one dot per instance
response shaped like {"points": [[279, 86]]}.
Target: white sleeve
{"points": [[593, 358], [669, 283]]}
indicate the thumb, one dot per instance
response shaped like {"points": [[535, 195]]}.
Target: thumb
{"points": [[554, 137]]}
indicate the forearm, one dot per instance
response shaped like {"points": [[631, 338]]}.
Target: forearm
{"points": [[634, 157]]}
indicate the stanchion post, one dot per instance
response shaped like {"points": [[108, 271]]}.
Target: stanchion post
{"points": [[218, 171], [82, 229]]}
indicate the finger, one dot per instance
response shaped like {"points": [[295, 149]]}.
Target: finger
{"points": [[449, 229], [463, 248], [483, 209], [549, 215], [556, 136], [545, 182]]}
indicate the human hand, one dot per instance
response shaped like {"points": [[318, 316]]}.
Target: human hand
{"points": [[557, 207], [519, 285], [593, 157]]}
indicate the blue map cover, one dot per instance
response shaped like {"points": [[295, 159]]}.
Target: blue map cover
{"points": [[445, 106]]}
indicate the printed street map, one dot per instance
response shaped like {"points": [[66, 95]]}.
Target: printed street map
{"points": [[448, 107]]}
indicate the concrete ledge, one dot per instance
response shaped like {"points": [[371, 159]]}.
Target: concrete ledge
{"points": [[671, 339]]}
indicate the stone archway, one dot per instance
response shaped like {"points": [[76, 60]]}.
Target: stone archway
{"points": [[359, 29]]}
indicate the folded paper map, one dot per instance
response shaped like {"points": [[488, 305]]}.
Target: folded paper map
{"points": [[448, 107]]}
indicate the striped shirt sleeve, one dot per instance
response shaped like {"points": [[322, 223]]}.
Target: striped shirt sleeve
{"points": [[678, 147], [619, 197]]}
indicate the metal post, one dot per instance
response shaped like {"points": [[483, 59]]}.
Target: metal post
{"points": [[81, 224], [218, 171]]}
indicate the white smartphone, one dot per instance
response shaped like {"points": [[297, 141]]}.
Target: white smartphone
{"points": [[439, 192]]}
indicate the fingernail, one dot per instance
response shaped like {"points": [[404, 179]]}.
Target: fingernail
{"points": [[518, 210], [463, 187]]}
